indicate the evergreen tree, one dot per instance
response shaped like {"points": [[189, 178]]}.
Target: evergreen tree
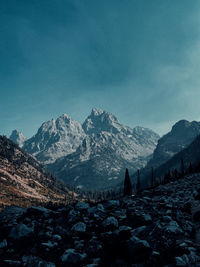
{"points": [[138, 185], [175, 174], [182, 168], [127, 184], [152, 177], [190, 170]]}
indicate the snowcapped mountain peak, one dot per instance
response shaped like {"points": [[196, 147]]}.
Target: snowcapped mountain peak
{"points": [[65, 117], [102, 121], [96, 111], [55, 138], [18, 138], [101, 148]]}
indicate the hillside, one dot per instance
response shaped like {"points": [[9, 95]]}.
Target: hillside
{"points": [[182, 134], [191, 154], [23, 180]]}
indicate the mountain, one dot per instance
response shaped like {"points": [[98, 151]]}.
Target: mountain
{"points": [[102, 121], [180, 137], [190, 154], [92, 155], [23, 180], [54, 139], [18, 138], [108, 149]]}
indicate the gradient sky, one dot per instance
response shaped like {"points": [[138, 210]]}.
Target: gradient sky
{"points": [[138, 59]]}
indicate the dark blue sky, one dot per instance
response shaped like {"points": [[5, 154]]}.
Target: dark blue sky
{"points": [[138, 59]]}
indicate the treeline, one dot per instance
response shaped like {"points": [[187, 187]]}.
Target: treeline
{"points": [[132, 188], [154, 180]]}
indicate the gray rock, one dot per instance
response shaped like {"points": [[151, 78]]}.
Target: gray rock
{"points": [[82, 206], [20, 231], [173, 228], [50, 244], [139, 250], [73, 215], [12, 263], [71, 256], [112, 204], [11, 214], [57, 237], [3, 244], [40, 211], [182, 261], [137, 231], [100, 207], [34, 261], [110, 222], [79, 227]]}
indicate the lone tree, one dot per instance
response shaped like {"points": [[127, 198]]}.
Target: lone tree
{"points": [[138, 185], [190, 169], [152, 177], [127, 184], [182, 168]]}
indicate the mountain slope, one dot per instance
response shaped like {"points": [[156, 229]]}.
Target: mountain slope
{"points": [[109, 148], [54, 139], [105, 144], [189, 154], [23, 181], [183, 133]]}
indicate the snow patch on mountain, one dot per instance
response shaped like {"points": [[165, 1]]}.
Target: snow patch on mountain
{"points": [[94, 154], [55, 139]]}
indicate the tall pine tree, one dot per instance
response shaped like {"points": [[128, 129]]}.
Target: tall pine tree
{"points": [[127, 184], [152, 177], [138, 185], [182, 168]]}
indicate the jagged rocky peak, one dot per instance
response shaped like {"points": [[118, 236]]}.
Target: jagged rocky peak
{"points": [[55, 138], [99, 121], [18, 138]]}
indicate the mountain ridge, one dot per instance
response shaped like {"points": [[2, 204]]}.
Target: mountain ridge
{"points": [[23, 180], [106, 139]]}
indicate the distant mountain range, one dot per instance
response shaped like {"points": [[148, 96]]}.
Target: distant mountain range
{"points": [[23, 180], [93, 155]]}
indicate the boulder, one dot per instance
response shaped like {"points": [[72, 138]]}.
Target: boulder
{"points": [[79, 227], [138, 250], [173, 228], [39, 211], [3, 244], [71, 256], [34, 261], [20, 231], [110, 222], [82, 206]]}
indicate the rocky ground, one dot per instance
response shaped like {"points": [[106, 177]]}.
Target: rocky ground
{"points": [[159, 227]]}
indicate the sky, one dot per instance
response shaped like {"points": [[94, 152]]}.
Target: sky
{"points": [[137, 59]]}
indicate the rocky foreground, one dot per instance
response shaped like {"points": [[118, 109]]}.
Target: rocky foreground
{"points": [[159, 227]]}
